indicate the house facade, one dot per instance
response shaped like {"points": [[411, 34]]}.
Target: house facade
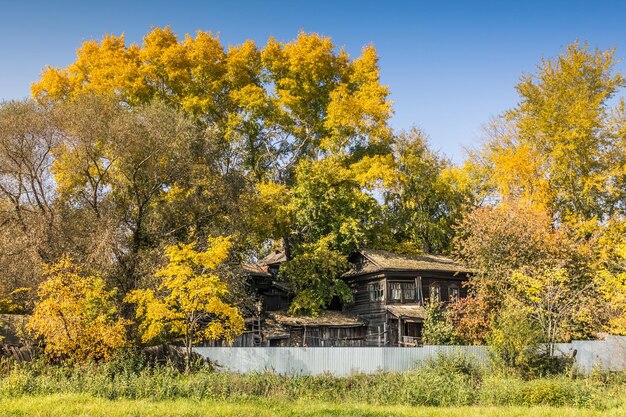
{"points": [[389, 294], [272, 326], [391, 290]]}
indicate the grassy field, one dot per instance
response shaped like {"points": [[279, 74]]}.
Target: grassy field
{"points": [[447, 386], [69, 405]]}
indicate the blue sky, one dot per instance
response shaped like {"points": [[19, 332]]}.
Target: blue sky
{"points": [[451, 66]]}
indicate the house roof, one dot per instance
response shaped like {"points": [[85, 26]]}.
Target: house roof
{"points": [[256, 269], [380, 260], [325, 318], [413, 311], [271, 329], [276, 257]]}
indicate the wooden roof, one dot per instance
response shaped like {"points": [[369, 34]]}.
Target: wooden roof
{"points": [[276, 257], [325, 318], [256, 270], [414, 311], [381, 260]]}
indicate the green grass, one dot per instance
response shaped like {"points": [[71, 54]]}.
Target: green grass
{"points": [[83, 405], [455, 386]]}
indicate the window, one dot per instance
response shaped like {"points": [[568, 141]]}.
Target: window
{"points": [[402, 292], [376, 291], [408, 292], [396, 291], [453, 292], [435, 292]]}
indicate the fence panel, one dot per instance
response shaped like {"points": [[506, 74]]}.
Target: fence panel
{"points": [[606, 354], [336, 360]]}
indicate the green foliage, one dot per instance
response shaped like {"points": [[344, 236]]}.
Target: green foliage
{"points": [[315, 278], [514, 339], [553, 391], [438, 326], [443, 381], [425, 201]]}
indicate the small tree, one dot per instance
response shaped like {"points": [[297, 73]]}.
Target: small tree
{"points": [[438, 327], [553, 301], [514, 339], [189, 300], [76, 315]]}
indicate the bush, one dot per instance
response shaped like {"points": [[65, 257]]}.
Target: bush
{"points": [[553, 391]]}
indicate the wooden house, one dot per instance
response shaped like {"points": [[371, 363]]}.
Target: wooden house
{"points": [[390, 291], [264, 282], [329, 329]]}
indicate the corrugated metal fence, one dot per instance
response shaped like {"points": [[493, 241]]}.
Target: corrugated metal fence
{"points": [[336, 360], [607, 354]]}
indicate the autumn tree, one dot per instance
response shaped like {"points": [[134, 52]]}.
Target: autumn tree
{"points": [[33, 231], [609, 246], [561, 146], [515, 252], [76, 315], [425, 200], [555, 304], [267, 118], [188, 302]]}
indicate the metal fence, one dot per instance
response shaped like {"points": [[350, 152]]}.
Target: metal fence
{"points": [[606, 354], [336, 360]]}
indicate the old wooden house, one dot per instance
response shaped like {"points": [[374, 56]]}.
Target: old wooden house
{"points": [[329, 329], [272, 326], [390, 291]]}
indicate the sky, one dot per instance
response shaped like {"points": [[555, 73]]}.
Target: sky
{"points": [[450, 66]]}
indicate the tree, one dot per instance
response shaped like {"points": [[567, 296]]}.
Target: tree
{"points": [[116, 166], [31, 232], [315, 275], [494, 241], [515, 252], [438, 326], [188, 302], [267, 118], [553, 301], [610, 263], [271, 107], [424, 203], [557, 148], [76, 315], [515, 340]]}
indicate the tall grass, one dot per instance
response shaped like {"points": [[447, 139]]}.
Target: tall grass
{"points": [[442, 381]]}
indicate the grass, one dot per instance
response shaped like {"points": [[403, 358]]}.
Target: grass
{"points": [[454, 385], [70, 405]]}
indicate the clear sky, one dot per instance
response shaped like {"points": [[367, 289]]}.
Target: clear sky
{"points": [[450, 65]]}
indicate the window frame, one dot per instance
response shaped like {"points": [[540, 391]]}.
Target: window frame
{"points": [[395, 288], [376, 291], [435, 286], [457, 297]]}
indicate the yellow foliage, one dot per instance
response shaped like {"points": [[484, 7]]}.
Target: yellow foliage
{"points": [[611, 274], [375, 169], [189, 301], [76, 316]]}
